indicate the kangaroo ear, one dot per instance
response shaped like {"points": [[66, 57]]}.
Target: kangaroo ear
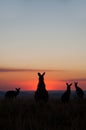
{"points": [[39, 74], [75, 82], [70, 84], [43, 74], [67, 84], [17, 89]]}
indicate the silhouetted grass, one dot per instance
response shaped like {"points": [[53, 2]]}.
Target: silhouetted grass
{"points": [[25, 114]]}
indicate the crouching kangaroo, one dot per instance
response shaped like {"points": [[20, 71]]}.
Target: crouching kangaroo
{"points": [[66, 95], [12, 94], [41, 94]]}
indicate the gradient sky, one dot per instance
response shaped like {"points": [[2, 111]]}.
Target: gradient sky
{"points": [[42, 35]]}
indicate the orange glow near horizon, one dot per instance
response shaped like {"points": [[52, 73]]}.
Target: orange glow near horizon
{"points": [[32, 85], [29, 80]]}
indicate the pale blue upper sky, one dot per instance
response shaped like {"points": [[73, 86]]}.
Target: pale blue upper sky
{"points": [[43, 34]]}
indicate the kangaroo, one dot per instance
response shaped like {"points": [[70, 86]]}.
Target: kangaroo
{"points": [[41, 94], [66, 95], [12, 94], [79, 91]]}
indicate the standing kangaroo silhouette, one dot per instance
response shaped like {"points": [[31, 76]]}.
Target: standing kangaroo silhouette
{"points": [[79, 91], [66, 95], [12, 94], [41, 94]]}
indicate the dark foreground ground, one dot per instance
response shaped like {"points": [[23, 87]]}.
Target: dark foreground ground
{"points": [[25, 114]]}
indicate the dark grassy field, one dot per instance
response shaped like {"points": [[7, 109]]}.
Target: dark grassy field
{"points": [[25, 114]]}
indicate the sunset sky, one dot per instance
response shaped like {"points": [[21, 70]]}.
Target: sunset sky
{"points": [[38, 36]]}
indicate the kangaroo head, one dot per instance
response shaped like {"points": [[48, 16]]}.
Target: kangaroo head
{"points": [[41, 77], [75, 83], [18, 90], [68, 86]]}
